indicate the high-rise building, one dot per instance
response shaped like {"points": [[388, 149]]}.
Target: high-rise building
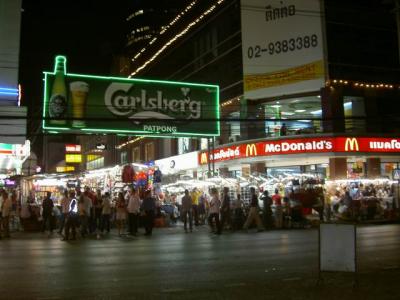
{"points": [[348, 88], [12, 115]]}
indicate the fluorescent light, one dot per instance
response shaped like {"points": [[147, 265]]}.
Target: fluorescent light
{"points": [[276, 106], [318, 96], [294, 101], [348, 105], [286, 113], [316, 112], [304, 121], [300, 110]]}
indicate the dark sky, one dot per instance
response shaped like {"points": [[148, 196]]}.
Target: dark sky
{"points": [[88, 32]]}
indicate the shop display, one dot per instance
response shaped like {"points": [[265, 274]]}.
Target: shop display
{"points": [[362, 199]]}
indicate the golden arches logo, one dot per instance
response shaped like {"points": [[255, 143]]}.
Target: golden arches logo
{"points": [[351, 145], [203, 158], [251, 150]]}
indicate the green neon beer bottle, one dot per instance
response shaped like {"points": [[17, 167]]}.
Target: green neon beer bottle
{"points": [[58, 98]]}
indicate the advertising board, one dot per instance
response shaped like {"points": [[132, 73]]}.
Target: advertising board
{"points": [[91, 104], [341, 144], [282, 46]]}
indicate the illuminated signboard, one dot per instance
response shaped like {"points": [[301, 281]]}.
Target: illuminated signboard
{"points": [[65, 169], [72, 148], [20, 150], [91, 104], [302, 146], [6, 149], [73, 158]]}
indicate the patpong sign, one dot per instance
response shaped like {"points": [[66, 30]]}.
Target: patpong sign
{"points": [[302, 146]]}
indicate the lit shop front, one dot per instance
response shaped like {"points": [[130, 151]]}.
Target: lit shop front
{"points": [[335, 157], [315, 173]]}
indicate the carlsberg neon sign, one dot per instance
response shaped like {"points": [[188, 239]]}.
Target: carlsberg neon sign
{"points": [[121, 101]]}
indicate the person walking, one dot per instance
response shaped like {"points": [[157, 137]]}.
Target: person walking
{"points": [[195, 205], [6, 208], [277, 200], [267, 211], [105, 213], [187, 210], [120, 217], [215, 204], [225, 210], [253, 213], [133, 211], [47, 213], [71, 218], [84, 207], [97, 211], [149, 207], [202, 208], [65, 202]]}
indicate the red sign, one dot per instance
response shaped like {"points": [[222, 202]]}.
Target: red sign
{"points": [[301, 146], [72, 148]]}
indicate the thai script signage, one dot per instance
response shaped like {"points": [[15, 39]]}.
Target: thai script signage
{"points": [[73, 148], [302, 146], [282, 47]]}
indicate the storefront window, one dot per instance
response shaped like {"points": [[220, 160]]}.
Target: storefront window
{"points": [[124, 157], [388, 168], [293, 116], [354, 107], [356, 169], [95, 164], [183, 145], [149, 152], [234, 127], [203, 144], [136, 154]]}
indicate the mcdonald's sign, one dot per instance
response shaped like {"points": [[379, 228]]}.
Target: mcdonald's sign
{"points": [[203, 158], [251, 150], [351, 144]]}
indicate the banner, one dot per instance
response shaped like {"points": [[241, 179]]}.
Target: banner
{"points": [[82, 104], [282, 46], [351, 145]]}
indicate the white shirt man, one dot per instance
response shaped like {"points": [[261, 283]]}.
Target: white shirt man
{"points": [[133, 204]]}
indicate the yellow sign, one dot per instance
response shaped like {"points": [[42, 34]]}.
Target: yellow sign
{"points": [[73, 158], [351, 145], [251, 150], [92, 157], [65, 169], [203, 158], [309, 71]]}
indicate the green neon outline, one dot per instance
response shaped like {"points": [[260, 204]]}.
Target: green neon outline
{"points": [[57, 60], [108, 78], [44, 102]]}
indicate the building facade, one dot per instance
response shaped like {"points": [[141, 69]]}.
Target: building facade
{"points": [[357, 97], [13, 146]]}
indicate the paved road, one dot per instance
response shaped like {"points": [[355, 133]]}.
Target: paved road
{"points": [[175, 265]]}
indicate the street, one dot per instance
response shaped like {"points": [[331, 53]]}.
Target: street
{"points": [[175, 265]]}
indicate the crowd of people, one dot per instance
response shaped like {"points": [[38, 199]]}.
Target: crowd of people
{"points": [[94, 213], [89, 212]]}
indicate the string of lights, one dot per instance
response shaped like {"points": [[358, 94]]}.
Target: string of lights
{"points": [[180, 15], [360, 84], [130, 142], [176, 37]]}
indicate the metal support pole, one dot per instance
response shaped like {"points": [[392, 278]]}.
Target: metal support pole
{"points": [[208, 157], [213, 161]]}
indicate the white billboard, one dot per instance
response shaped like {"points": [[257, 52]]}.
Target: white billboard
{"points": [[282, 47], [174, 164]]}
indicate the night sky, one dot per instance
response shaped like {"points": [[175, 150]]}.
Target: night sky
{"points": [[88, 32]]}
